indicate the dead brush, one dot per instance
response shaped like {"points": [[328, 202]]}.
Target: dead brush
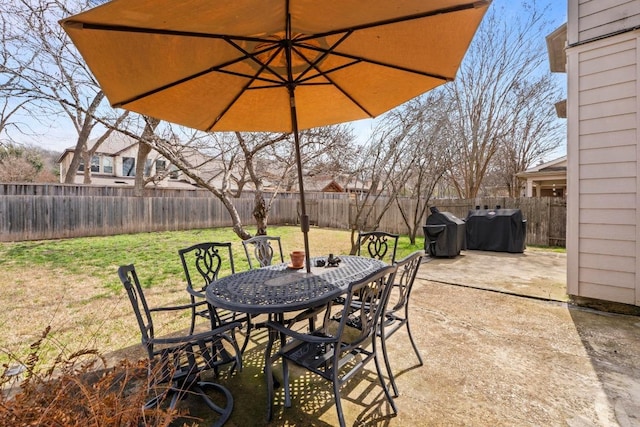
{"points": [[77, 390]]}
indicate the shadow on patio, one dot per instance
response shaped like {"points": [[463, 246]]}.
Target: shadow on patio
{"points": [[511, 354]]}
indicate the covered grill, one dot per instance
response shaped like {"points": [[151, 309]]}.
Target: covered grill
{"points": [[500, 230], [444, 234]]}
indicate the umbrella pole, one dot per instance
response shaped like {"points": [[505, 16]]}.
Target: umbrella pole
{"points": [[304, 218]]}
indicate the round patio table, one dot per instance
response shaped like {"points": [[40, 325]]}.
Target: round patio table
{"points": [[279, 289]]}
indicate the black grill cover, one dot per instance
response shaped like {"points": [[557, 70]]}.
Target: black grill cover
{"points": [[444, 234], [500, 230]]}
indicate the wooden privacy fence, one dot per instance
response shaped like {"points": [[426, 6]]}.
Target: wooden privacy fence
{"points": [[37, 212], [546, 216]]}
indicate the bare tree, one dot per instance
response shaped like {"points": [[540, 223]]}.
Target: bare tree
{"points": [[228, 163], [502, 93], [424, 161], [55, 75], [14, 98], [251, 146], [535, 132], [384, 168], [144, 149], [319, 148]]}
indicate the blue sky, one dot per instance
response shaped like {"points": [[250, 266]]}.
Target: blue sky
{"points": [[62, 135]]}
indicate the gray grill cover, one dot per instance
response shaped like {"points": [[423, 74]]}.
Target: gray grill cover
{"points": [[500, 230], [444, 234]]}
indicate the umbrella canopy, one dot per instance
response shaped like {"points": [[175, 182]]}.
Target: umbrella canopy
{"points": [[272, 65]]}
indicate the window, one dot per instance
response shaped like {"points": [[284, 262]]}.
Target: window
{"points": [[95, 164], [173, 172], [107, 165], [81, 166], [128, 166], [147, 167], [161, 166]]}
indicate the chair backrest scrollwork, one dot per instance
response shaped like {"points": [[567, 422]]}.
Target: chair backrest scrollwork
{"points": [[261, 251], [378, 244]]}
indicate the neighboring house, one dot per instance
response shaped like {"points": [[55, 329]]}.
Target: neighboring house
{"points": [[334, 184], [114, 163], [546, 180], [603, 149], [324, 184]]}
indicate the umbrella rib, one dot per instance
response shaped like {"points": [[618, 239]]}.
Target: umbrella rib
{"points": [[326, 74], [163, 32], [301, 81], [254, 57], [385, 64], [344, 92], [72, 23], [229, 105], [251, 78], [446, 10], [218, 68], [356, 59], [313, 64], [177, 82]]}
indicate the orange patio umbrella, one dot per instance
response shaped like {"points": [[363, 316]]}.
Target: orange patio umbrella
{"points": [[272, 65]]}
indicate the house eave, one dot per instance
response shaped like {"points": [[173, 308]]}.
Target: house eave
{"points": [[556, 45]]}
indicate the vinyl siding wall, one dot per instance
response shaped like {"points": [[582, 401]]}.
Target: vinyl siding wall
{"points": [[603, 152], [592, 19]]}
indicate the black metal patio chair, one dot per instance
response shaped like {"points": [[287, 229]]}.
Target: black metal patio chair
{"points": [[397, 309], [178, 361], [330, 350], [262, 251], [207, 259], [378, 244]]}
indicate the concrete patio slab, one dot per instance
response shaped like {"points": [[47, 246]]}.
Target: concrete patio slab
{"points": [[501, 347], [535, 273]]}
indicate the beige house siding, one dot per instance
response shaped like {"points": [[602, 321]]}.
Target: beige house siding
{"points": [[115, 148], [603, 200], [597, 18]]}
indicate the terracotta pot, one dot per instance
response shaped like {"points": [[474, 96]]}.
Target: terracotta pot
{"points": [[297, 259]]}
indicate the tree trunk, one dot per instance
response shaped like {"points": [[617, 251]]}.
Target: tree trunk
{"points": [[235, 217], [141, 158], [260, 213], [143, 152], [354, 242], [86, 157], [81, 144]]}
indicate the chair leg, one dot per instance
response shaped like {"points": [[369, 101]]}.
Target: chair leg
{"points": [[248, 335], [193, 320], [223, 411], [224, 353], [383, 341], [336, 394], [383, 383], [285, 380], [176, 395], [237, 364], [268, 374], [413, 343]]}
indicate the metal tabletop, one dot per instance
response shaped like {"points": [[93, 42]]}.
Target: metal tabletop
{"points": [[279, 289]]}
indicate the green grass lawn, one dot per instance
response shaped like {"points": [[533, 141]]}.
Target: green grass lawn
{"points": [[72, 286]]}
